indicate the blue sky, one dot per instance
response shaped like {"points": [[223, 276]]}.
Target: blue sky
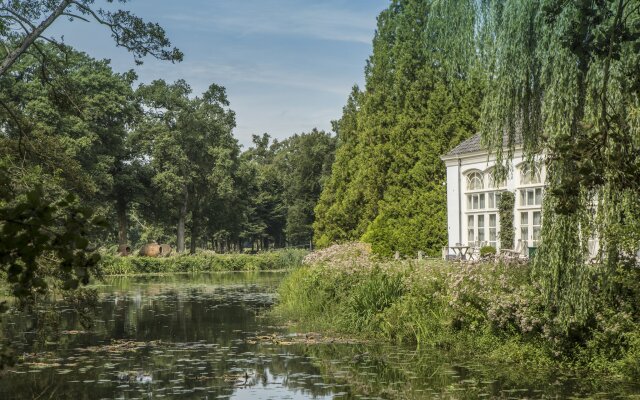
{"points": [[288, 65]]}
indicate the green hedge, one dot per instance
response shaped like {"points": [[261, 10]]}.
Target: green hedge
{"points": [[202, 262]]}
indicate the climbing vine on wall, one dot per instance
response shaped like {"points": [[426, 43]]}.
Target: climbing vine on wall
{"points": [[505, 209]]}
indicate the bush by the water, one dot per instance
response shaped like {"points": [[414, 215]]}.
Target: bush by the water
{"points": [[202, 262], [490, 309]]}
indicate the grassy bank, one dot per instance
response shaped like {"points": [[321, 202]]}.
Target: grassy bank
{"points": [[492, 312], [202, 262]]}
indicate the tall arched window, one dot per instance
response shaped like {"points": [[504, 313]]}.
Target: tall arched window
{"points": [[475, 181]]}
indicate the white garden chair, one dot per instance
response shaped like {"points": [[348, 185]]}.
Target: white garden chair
{"points": [[514, 253]]}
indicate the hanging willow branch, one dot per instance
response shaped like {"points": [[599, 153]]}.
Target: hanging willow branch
{"points": [[566, 77]]}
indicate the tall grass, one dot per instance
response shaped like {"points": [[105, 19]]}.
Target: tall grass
{"points": [[202, 262]]}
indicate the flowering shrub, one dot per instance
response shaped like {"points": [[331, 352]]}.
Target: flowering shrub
{"points": [[495, 308], [347, 257], [494, 295]]}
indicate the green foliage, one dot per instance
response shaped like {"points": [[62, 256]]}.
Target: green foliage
{"points": [[25, 21], [492, 310], [387, 184], [202, 262], [194, 156], [505, 211], [284, 183], [338, 209], [373, 296], [64, 118], [487, 251], [565, 76], [304, 162], [33, 230]]}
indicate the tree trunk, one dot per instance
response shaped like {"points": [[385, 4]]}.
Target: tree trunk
{"points": [[181, 219], [13, 56], [123, 226], [194, 233]]}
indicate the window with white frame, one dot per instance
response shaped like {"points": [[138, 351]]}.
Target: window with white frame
{"points": [[493, 199], [530, 174], [482, 206], [531, 197], [482, 229], [530, 227], [493, 230], [476, 201], [475, 181], [531, 193]]}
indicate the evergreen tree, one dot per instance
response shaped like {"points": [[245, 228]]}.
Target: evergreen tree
{"points": [[338, 209], [422, 98]]}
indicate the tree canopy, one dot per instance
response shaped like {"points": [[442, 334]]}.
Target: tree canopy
{"points": [[23, 22]]}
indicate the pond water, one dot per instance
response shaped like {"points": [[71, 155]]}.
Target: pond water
{"points": [[208, 336]]}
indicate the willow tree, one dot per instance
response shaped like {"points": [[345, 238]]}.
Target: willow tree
{"points": [[566, 75]]}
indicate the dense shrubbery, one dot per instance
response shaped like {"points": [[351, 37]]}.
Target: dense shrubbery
{"points": [[490, 309], [202, 262]]}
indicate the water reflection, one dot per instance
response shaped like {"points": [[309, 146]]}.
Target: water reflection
{"points": [[189, 337]]}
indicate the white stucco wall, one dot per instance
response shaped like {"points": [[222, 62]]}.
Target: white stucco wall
{"points": [[453, 206]]}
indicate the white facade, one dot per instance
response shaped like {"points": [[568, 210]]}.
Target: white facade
{"points": [[473, 195]]}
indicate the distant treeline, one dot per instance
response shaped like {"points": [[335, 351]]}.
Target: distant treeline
{"points": [[155, 161]]}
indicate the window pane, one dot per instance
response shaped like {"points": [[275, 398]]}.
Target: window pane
{"points": [[474, 181], [491, 200], [537, 218], [538, 197], [480, 228], [536, 233], [492, 234], [524, 233], [536, 177], [523, 197], [470, 221], [524, 218], [492, 220], [470, 235], [497, 199], [482, 201], [530, 199]]}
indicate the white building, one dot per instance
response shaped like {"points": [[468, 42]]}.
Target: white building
{"points": [[473, 195]]}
